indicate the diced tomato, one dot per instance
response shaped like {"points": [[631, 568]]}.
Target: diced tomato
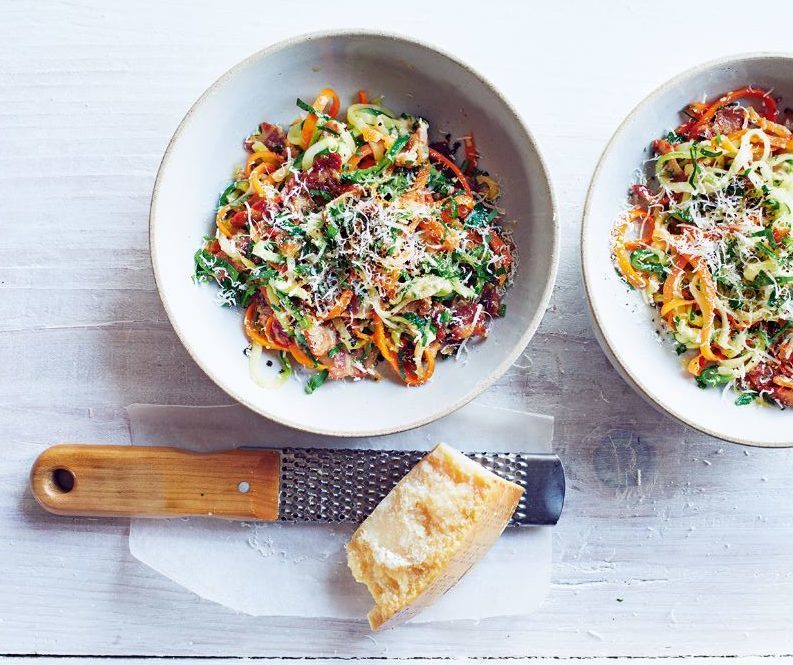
{"points": [[239, 219]]}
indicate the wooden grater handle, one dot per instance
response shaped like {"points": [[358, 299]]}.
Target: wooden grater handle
{"points": [[141, 481]]}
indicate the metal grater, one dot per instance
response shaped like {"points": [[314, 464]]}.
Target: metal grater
{"points": [[289, 485], [336, 486]]}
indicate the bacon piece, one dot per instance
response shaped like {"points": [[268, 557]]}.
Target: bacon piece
{"points": [[325, 175], [272, 136], [468, 320], [320, 340], [263, 312], [341, 367], [490, 299], [642, 195], [726, 121], [278, 334], [761, 379]]}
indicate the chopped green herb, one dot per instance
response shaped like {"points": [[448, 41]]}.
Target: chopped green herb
{"points": [[310, 109], [226, 196], [762, 280], [747, 397], [315, 381], [321, 193], [694, 164], [479, 217], [395, 186], [708, 153], [710, 378], [768, 234], [648, 261], [367, 175], [439, 182], [331, 230], [286, 366]]}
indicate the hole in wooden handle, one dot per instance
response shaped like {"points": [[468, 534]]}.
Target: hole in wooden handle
{"points": [[62, 480]]}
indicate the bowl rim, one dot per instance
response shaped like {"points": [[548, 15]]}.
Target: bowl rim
{"points": [[549, 194], [610, 350]]}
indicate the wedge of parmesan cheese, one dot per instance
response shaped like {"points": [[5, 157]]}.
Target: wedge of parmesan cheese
{"points": [[438, 521]]}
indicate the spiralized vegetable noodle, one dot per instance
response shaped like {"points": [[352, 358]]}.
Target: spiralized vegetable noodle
{"points": [[352, 242]]}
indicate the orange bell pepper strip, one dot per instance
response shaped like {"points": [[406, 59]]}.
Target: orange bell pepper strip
{"points": [[339, 307], [363, 97], [630, 245], [624, 260], [225, 228], [671, 289], [708, 309], [250, 330], [262, 157], [648, 228], [438, 236], [334, 101], [380, 341], [430, 352], [255, 177], [768, 125], [325, 96], [783, 381], [228, 221], [303, 358], [672, 305], [361, 335], [449, 164], [695, 365], [362, 152]]}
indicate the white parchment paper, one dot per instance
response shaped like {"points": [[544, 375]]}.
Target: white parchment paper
{"points": [[300, 570]]}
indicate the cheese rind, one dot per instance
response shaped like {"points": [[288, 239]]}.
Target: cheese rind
{"points": [[438, 521]]}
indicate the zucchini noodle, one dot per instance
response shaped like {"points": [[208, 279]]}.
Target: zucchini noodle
{"points": [[708, 243], [355, 245]]}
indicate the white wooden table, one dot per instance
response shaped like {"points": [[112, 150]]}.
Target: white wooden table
{"points": [[672, 543]]}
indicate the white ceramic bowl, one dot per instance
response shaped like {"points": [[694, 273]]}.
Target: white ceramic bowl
{"points": [[414, 78], [623, 323]]}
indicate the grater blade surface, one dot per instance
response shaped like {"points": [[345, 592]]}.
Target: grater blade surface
{"points": [[345, 486]]}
